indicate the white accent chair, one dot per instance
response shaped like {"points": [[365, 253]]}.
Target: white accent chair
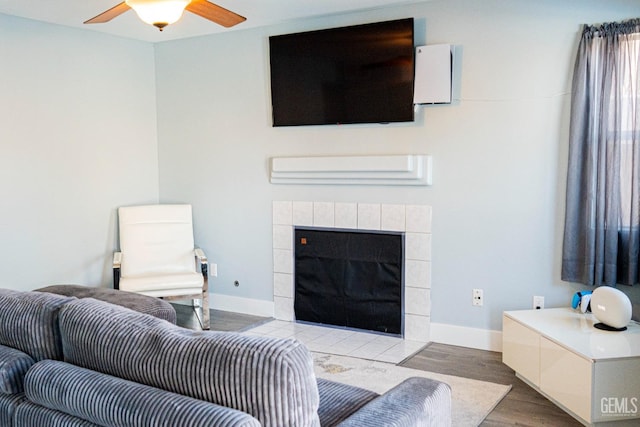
{"points": [[158, 258]]}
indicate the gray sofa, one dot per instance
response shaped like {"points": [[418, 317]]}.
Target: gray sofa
{"points": [[82, 362]]}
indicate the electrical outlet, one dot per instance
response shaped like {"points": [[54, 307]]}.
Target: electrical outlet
{"points": [[478, 298], [538, 302]]}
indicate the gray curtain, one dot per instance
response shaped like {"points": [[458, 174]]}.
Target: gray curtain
{"points": [[602, 222]]}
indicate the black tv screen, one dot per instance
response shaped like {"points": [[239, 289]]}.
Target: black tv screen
{"points": [[356, 74]]}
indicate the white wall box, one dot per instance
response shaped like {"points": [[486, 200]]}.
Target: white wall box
{"points": [[591, 374], [433, 75]]}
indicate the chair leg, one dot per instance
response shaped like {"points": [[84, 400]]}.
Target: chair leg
{"points": [[201, 309], [116, 278], [206, 321]]}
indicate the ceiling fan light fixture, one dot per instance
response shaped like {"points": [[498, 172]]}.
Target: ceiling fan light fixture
{"points": [[159, 13]]}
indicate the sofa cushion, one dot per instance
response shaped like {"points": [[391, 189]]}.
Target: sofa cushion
{"points": [[8, 405], [28, 322], [271, 379], [338, 401], [414, 402], [109, 401], [29, 414], [14, 365]]}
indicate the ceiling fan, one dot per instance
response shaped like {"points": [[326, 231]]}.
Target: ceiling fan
{"points": [[161, 13]]}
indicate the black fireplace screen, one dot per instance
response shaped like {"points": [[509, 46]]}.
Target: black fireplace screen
{"points": [[349, 278]]}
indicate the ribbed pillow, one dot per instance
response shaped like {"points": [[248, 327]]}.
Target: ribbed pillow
{"points": [[271, 379], [28, 322], [14, 365], [109, 401]]}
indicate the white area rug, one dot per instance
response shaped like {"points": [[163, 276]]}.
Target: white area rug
{"points": [[472, 400]]}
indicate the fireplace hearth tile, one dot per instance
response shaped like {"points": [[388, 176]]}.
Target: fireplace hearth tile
{"points": [[346, 215], [283, 285], [282, 213], [372, 350], [393, 217], [283, 308], [323, 214], [265, 328], [401, 351], [417, 301], [327, 340], [283, 261], [416, 328], [369, 216], [417, 274], [303, 213], [418, 246], [418, 218], [283, 237], [346, 347]]}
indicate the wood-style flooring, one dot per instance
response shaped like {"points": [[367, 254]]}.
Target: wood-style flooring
{"points": [[523, 406]]}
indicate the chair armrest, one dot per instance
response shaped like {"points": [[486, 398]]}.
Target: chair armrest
{"points": [[204, 264], [414, 402], [202, 258], [117, 259]]}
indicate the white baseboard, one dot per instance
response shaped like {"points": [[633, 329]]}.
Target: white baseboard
{"points": [[482, 339], [251, 306]]}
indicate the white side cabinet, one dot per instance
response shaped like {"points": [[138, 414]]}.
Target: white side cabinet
{"points": [[592, 374]]}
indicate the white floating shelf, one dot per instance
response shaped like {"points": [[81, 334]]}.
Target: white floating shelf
{"points": [[402, 169]]}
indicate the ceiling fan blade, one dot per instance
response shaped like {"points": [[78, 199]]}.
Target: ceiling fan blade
{"points": [[108, 15], [215, 13]]}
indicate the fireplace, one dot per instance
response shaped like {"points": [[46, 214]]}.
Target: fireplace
{"points": [[413, 221], [349, 278]]}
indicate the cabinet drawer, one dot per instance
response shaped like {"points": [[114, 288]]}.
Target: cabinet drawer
{"points": [[616, 390], [521, 350], [566, 377]]}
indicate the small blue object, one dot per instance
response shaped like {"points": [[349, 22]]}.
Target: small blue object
{"points": [[577, 299]]}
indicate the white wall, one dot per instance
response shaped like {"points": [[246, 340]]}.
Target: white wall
{"points": [[499, 153], [77, 140]]}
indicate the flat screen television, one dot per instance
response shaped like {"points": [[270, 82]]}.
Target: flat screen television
{"points": [[357, 74]]}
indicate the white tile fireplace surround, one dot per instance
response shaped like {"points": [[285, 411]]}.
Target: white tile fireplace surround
{"points": [[413, 220]]}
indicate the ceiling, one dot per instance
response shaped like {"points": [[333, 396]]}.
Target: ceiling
{"points": [[73, 13]]}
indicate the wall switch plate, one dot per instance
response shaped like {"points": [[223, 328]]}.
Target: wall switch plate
{"points": [[478, 298], [538, 302], [213, 269]]}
